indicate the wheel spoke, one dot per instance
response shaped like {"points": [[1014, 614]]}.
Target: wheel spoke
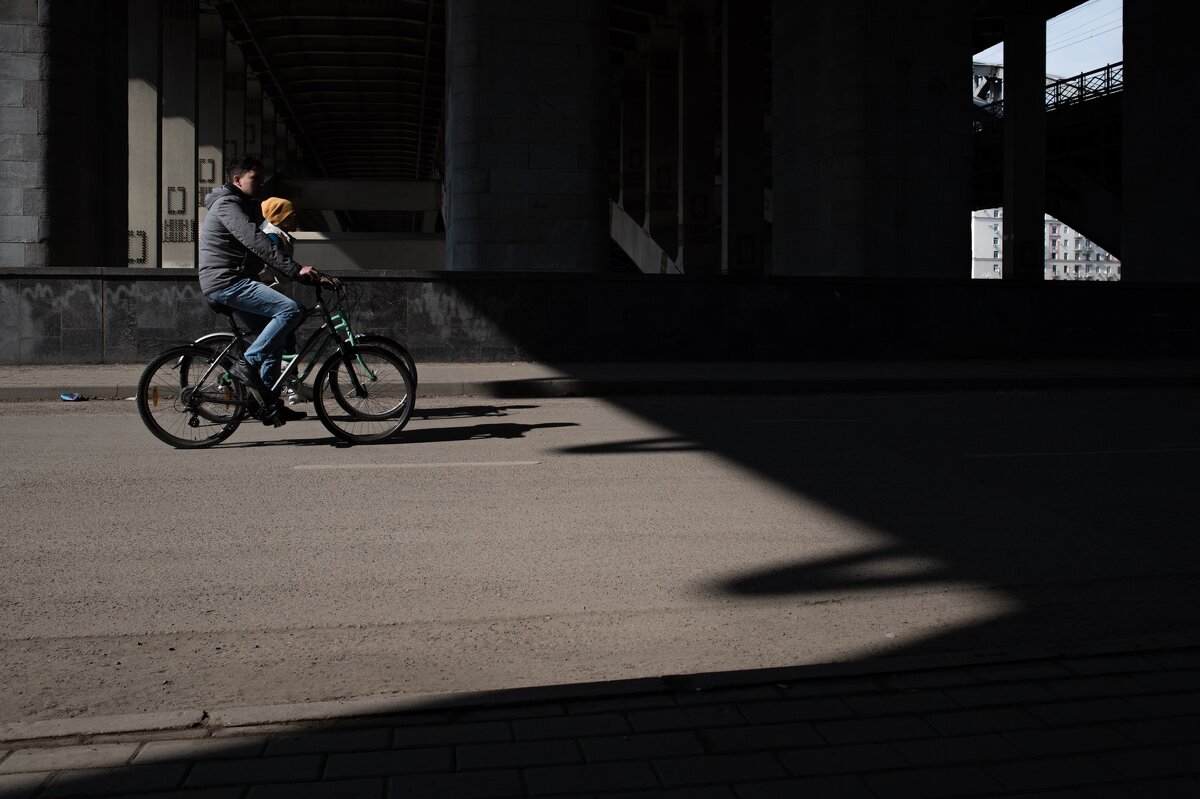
{"points": [[185, 403], [365, 398]]}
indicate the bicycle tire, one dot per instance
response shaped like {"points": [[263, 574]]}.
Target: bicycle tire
{"points": [[173, 408], [215, 342], [391, 344], [374, 410], [364, 407]]}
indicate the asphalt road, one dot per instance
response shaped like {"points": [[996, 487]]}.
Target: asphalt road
{"points": [[512, 543]]}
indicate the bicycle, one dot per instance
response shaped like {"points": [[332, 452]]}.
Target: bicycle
{"points": [[363, 393], [341, 325]]}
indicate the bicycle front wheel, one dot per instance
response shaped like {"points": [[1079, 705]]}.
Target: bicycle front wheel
{"points": [[370, 339], [185, 403], [364, 396]]}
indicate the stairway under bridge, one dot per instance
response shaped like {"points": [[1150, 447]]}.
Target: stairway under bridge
{"points": [[1083, 168], [1083, 154]]}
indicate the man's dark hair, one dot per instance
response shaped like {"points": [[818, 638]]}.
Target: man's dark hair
{"points": [[241, 165]]}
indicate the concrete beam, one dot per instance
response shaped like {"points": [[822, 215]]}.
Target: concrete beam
{"points": [[408, 251], [361, 195], [638, 244]]}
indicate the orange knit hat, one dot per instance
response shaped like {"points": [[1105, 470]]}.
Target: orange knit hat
{"points": [[276, 209]]}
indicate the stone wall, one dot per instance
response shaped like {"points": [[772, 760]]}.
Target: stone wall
{"points": [[24, 93], [62, 125], [126, 315]]}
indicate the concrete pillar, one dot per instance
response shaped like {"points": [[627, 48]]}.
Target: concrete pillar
{"points": [[698, 252], [145, 80], [210, 131], [178, 134], [270, 161], [871, 143], [662, 138], [1024, 140], [743, 97], [24, 143], [295, 161], [235, 102], [633, 136], [1160, 170], [283, 166], [63, 129], [254, 116], [527, 126]]}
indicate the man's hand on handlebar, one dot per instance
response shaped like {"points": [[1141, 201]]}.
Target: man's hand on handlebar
{"points": [[308, 274]]}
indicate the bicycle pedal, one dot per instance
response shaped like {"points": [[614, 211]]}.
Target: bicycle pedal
{"points": [[273, 420]]}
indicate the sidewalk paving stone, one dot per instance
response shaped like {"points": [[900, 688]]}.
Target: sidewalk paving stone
{"points": [[887, 741], [699, 770], [21, 786], [118, 781], [643, 746], [849, 759], [933, 783], [68, 757], [466, 785], [343, 765], [599, 777], [525, 753], [840, 787], [1068, 740], [254, 770], [195, 749]]}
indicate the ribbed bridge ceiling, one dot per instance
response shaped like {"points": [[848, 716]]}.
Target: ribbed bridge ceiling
{"points": [[360, 83]]}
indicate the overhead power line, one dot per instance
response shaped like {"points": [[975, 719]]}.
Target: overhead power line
{"points": [[1082, 38]]}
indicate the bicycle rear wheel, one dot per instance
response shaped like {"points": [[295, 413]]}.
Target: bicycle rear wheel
{"points": [[365, 396], [186, 404], [215, 343]]}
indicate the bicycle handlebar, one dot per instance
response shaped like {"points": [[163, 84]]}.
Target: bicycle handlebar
{"points": [[325, 281]]}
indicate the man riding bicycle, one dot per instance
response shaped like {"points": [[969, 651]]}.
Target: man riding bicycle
{"points": [[233, 251]]}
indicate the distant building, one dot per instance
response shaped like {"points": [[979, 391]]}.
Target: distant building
{"points": [[1068, 254]]}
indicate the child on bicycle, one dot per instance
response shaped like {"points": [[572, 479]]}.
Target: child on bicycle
{"points": [[232, 252]]}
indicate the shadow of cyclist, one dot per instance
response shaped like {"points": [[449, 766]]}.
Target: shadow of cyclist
{"points": [[472, 433], [408, 436], [465, 411]]}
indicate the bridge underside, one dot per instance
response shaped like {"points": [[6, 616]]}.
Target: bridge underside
{"points": [[703, 136]]}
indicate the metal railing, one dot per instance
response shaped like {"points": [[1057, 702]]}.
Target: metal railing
{"points": [[1100, 82], [1081, 88]]}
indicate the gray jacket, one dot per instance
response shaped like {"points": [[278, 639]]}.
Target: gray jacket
{"points": [[231, 245]]}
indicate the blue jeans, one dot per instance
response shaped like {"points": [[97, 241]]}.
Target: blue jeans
{"points": [[267, 312]]}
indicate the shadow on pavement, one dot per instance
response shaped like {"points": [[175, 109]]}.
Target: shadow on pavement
{"points": [[1078, 508], [1084, 725], [460, 411]]}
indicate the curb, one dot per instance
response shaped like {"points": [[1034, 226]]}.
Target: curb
{"points": [[302, 715]]}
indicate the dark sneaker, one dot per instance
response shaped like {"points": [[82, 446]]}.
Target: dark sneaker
{"points": [[271, 419], [289, 414], [279, 414], [247, 375]]}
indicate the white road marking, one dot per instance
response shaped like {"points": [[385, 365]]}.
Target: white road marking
{"points": [[411, 465]]}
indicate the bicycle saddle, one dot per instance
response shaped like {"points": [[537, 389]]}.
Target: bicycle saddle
{"points": [[218, 307]]}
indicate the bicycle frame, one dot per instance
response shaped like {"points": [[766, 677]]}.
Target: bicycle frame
{"points": [[337, 323], [317, 344]]}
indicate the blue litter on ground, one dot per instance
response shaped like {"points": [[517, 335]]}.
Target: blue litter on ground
{"points": [[71, 396]]}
